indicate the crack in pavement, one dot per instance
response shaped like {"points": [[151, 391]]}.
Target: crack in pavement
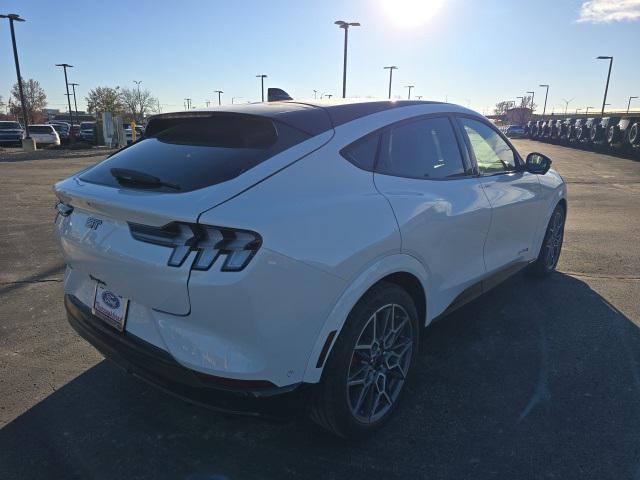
{"points": [[44, 280]]}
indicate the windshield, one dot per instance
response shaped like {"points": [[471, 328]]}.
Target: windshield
{"points": [[86, 126], [10, 126]]}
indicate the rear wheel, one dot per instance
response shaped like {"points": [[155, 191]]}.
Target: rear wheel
{"points": [[551, 245], [365, 375], [634, 134]]}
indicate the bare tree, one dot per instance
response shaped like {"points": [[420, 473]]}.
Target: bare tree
{"points": [[138, 103], [34, 97]]}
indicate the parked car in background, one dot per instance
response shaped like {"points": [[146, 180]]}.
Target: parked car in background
{"points": [[565, 128], [11, 133], [537, 129], [44, 134], [583, 129], [87, 131], [63, 129], [600, 129], [618, 136], [515, 131], [554, 128], [298, 250], [528, 127]]}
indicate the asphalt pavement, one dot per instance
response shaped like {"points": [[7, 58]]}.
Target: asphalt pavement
{"points": [[537, 379]]}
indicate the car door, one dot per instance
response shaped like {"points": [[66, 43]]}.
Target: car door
{"points": [[514, 195], [442, 212]]}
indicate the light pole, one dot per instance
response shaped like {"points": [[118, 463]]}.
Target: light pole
{"points": [[329, 95], [566, 104], [586, 113], [391, 69], [409, 87], [138, 82], [75, 104], [207, 103], [345, 25], [533, 96], [606, 88], [578, 110], [315, 94], [233, 99], [261, 77], [629, 104], [521, 101], [66, 83], [219, 92], [14, 17], [419, 97], [546, 95], [188, 100]]}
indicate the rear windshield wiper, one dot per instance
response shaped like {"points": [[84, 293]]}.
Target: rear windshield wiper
{"points": [[134, 177]]}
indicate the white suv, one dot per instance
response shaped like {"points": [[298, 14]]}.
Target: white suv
{"points": [[254, 256]]}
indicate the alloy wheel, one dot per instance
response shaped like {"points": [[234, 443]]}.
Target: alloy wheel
{"points": [[554, 240], [379, 363]]}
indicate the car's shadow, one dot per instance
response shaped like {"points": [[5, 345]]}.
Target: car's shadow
{"points": [[538, 379]]}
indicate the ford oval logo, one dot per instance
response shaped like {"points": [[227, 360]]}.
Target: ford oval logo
{"points": [[110, 299]]}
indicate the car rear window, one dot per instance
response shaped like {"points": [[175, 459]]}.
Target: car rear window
{"points": [[40, 129], [194, 152], [10, 126]]}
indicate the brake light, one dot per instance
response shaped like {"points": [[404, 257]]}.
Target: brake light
{"points": [[237, 246]]}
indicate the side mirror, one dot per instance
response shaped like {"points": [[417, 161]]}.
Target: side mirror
{"points": [[538, 163]]}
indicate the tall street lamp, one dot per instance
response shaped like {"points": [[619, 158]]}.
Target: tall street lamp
{"points": [[546, 95], [587, 111], [233, 99], [188, 100], [315, 94], [629, 104], [521, 101], [345, 25], [14, 17], [261, 77], [533, 96], [391, 69], [578, 110], [219, 92], [328, 95], [606, 88], [75, 104], [66, 83], [409, 87]]}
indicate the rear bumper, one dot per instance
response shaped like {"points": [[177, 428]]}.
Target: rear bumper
{"points": [[158, 367]]}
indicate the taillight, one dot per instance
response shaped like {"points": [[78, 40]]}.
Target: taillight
{"points": [[237, 246]]}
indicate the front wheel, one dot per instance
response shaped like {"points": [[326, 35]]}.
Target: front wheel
{"points": [[366, 372], [549, 254]]}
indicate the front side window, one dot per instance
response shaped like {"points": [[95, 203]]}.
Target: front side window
{"points": [[425, 149], [492, 153]]}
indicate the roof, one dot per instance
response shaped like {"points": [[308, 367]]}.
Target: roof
{"points": [[313, 117]]}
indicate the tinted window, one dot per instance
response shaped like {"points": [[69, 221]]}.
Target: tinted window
{"points": [[40, 129], [492, 153], [421, 149], [10, 126], [199, 152], [86, 126], [362, 152]]}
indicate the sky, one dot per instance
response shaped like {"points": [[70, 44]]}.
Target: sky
{"points": [[474, 53]]}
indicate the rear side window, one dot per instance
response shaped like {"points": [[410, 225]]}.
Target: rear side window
{"points": [[362, 152], [425, 149], [197, 152], [10, 126]]}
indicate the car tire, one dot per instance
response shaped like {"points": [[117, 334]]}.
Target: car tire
{"points": [[376, 364], [634, 134], [551, 247]]}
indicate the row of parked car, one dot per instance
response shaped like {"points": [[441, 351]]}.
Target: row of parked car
{"points": [[52, 133], [621, 133]]}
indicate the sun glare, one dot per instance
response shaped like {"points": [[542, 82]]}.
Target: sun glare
{"points": [[410, 13]]}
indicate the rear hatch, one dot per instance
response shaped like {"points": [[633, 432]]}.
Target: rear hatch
{"points": [[186, 164]]}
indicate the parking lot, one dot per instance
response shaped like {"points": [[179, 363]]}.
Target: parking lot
{"points": [[537, 379]]}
